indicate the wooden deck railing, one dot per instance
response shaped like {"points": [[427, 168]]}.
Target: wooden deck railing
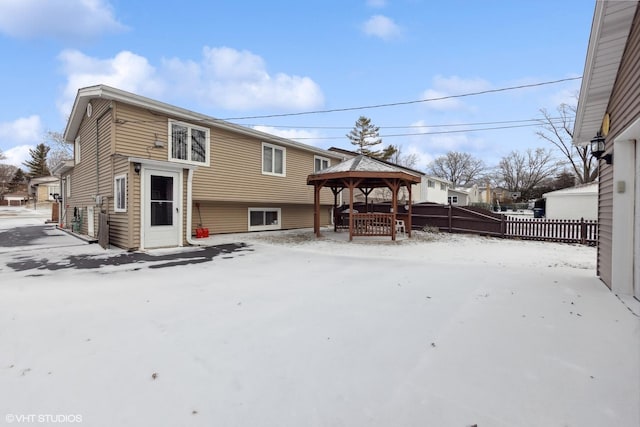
{"points": [[372, 224]]}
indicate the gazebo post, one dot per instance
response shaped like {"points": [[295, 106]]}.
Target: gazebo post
{"points": [[394, 203], [316, 211], [410, 211], [351, 187]]}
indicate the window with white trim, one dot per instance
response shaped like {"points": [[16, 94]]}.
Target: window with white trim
{"points": [[443, 186], [188, 143], [274, 160], [120, 193], [261, 219], [453, 200], [52, 190], [431, 184], [320, 163], [76, 150], [68, 185]]}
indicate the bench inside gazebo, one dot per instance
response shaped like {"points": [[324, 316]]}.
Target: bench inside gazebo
{"points": [[364, 173]]}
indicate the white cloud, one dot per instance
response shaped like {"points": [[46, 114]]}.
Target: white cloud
{"points": [[63, 19], [238, 80], [16, 156], [454, 85], [22, 130], [223, 77], [382, 27], [126, 71], [21, 135], [301, 135]]}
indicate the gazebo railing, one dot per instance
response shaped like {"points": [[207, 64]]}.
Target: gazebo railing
{"points": [[372, 224]]}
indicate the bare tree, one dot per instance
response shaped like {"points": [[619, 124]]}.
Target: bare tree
{"points": [[461, 169], [6, 175], [406, 160], [559, 132], [524, 171], [59, 149]]}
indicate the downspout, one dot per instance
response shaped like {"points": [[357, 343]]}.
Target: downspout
{"points": [[189, 210]]}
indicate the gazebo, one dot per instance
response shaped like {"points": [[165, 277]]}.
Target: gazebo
{"points": [[366, 174]]}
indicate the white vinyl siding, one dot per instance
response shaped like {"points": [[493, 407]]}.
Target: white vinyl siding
{"points": [[188, 143], [274, 160]]}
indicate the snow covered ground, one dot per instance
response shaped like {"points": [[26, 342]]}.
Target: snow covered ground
{"points": [[440, 330]]}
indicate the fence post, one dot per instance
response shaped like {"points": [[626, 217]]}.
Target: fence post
{"points": [[450, 209], [503, 226], [583, 232]]}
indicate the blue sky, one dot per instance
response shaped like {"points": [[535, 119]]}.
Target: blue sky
{"points": [[252, 58]]}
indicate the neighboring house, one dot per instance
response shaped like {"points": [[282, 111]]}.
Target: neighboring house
{"points": [[44, 190], [458, 197], [579, 202], [15, 199], [148, 174], [609, 107]]}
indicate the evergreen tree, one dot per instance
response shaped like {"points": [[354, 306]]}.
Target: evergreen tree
{"points": [[365, 136], [18, 178], [38, 164]]}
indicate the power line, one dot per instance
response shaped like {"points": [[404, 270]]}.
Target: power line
{"points": [[395, 104], [424, 133], [538, 121]]}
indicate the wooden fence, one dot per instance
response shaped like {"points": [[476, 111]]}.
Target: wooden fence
{"points": [[458, 219]]}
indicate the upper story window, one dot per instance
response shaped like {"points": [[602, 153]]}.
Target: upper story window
{"points": [[320, 163], [188, 143], [443, 186], [274, 160], [76, 150], [431, 184]]}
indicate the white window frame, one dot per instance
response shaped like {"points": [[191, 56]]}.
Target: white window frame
{"points": [[67, 184], [453, 200], [443, 186], [431, 183], [277, 226], [322, 160], [53, 189], [273, 159], [190, 127], [116, 193], [76, 151]]}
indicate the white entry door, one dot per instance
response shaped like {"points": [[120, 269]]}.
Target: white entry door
{"points": [[162, 203]]}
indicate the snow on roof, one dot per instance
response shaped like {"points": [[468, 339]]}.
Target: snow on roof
{"points": [[589, 188], [361, 163]]}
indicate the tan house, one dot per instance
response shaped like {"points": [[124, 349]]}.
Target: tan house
{"points": [[147, 174], [44, 190], [609, 112]]}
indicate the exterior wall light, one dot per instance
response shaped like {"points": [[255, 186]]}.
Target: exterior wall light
{"points": [[597, 149]]}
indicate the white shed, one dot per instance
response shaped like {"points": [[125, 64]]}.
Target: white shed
{"points": [[573, 203]]}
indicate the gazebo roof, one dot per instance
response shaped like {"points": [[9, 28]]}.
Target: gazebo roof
{"points": [[373, 172]]}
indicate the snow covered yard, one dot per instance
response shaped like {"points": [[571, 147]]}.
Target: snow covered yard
{"points": [[438, 331]]}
